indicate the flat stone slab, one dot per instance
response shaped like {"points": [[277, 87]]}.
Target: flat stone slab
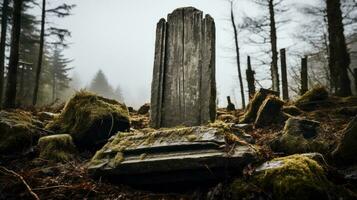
{"points": [[193, 154]]}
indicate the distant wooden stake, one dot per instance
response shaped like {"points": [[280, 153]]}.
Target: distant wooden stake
{"points": [[284, 76], [250, 79], [304, 83]]}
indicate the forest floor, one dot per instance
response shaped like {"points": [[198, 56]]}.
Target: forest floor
{"points": [[29, 177]]}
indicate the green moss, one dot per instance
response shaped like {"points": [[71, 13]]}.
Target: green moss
{"points": [[292, 177], [317, 93], [299, 177], [91, 118], [17, 132], [58, 148], [132, 140]]}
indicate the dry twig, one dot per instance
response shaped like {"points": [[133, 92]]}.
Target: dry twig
{"points": [[34, 195]]}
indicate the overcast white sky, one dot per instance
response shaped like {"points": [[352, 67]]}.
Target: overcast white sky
{"points": [[118, 36]]}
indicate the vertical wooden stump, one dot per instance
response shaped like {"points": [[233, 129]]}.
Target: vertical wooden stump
{"points": [[284, 76], [250, 78], [304, 77], [183, 90]]}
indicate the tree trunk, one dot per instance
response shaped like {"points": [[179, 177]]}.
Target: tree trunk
{"points": [[250, 79], [53, 85], [238, 56], [4, 16], [304, 76], [10, 94], [284, 75], [40, 54], [339, 59], [273, 41]]}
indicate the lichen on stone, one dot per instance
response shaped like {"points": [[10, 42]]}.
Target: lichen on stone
{"points": [[90, 119], [136, 139], [57, 148]]}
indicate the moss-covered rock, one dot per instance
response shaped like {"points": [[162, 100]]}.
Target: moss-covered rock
{"points": [[292, 110], [346, 151], [58, 148], [295, 177], [299, 136], [18, 132], [269, 112], [312, 98], [144, 109], [91, 119], [254, 105]]}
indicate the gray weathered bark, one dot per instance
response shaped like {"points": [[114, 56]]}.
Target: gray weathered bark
{"points": [[284, 75], [183, 87], [274, 48]]}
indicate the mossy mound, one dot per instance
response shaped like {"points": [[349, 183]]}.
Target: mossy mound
{"points": [[254, 105], [91, 119], [269, 112], [312, 98], [57, 148], [295, 177], [18, 132], [292, 110], [299, 136], [346, 151], [144, 109]]}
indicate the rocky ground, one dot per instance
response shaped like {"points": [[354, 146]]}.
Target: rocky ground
{"points": [[304, 149]]}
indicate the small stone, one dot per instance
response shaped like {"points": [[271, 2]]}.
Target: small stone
{"points": [[57, 148], [299, 136]]}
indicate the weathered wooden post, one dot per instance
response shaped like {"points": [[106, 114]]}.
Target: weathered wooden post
{"points": [[250, 78], [183, 90], [284, 76], [304, 76]]}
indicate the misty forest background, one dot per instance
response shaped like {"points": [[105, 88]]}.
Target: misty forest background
{"points": [[34, 70]]}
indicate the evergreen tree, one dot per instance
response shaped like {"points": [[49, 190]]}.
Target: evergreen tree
{"points": [[59, 72], [101, 86]]}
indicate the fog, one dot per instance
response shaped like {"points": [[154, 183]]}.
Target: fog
{"points": [[118, 37]]}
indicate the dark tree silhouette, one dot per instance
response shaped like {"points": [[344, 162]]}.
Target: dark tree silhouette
{"points": [[10, 98], [4, 18], [339, 59]]}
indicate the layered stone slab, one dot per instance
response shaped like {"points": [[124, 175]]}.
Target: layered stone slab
{"points": [[183, 88]]}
